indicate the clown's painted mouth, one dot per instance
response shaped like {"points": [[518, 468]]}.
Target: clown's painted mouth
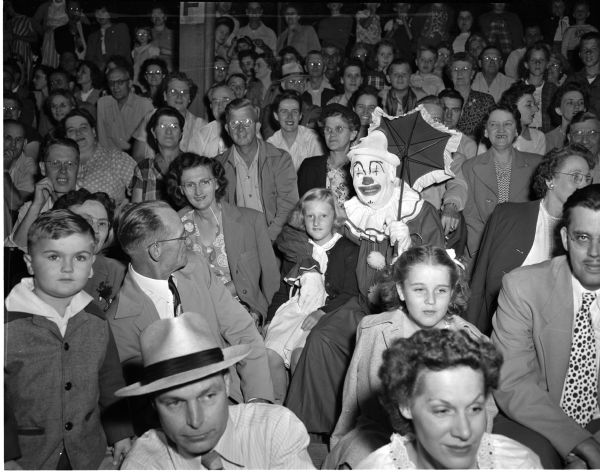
{"points": [[370, 190]]}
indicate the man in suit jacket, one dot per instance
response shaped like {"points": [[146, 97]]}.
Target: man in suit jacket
{"points": [[109, 40], [152, 234], [536, 328], [259, 175]]}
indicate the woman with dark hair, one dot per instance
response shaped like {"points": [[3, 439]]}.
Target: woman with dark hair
{"points": [[363, 102], [435, 385], [179, 92], [100, 169], [143, 49], [98, 209], [520, 96], [151, 77], [89, 80], [519, 234], [233, 240], [501, 174], [164, 131], [340, 126], [425, 289], [58, 104], [535, 72]]}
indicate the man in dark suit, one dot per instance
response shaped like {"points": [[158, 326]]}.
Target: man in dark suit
{"points": [[72, 37], [164, 280], [547, 328]]}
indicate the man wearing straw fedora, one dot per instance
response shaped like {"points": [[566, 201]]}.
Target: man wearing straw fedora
{"points": [[163, 280], [186, 374]]}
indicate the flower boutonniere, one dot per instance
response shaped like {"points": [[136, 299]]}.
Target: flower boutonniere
{"points": [[104, 294]]}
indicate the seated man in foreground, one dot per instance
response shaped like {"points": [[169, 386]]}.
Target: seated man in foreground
{"points": [[186, 374], [162, 281], [546, 327]]}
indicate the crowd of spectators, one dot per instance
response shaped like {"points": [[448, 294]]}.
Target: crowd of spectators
{"points": [[135, 229]]}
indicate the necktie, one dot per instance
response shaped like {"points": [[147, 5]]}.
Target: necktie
{"points": [[212, 461], [579, 399], [176, 298]]}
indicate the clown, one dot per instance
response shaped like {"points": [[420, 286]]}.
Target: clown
{"points": [[382, 217]]}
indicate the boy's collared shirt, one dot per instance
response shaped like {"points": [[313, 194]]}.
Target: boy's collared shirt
{"points": [[22, 298]]}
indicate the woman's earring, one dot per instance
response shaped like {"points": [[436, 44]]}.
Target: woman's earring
{"points": [[551, 186], [91, 273]]}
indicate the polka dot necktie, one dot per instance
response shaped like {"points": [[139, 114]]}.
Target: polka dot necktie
{"points": [[579, 399], [212, 461]]}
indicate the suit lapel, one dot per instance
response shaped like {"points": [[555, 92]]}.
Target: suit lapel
{"points": [[485, 171], [134, 302], [520, 178], [233, 232], [555, 336]]}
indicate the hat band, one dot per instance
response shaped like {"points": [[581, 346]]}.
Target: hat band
{"points": [[181, 364]]}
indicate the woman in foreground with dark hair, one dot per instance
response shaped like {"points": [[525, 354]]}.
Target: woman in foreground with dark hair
{"points": [[233, 240], [439, 381], [424, 290]]}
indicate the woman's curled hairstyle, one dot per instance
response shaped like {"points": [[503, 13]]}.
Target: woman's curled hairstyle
{"points": [[384, 295], [434, 350], [189, 160]]}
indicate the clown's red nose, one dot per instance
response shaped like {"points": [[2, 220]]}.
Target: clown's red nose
{"points": [[367, 181]]}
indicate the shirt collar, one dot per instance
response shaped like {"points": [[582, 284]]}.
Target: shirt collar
{"points": [[227, 445], [147, 284], [578, 291]]}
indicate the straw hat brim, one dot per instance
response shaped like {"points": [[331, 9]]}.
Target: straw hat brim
{"points": [[232, 355]]}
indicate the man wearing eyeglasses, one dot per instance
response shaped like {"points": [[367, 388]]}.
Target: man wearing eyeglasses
{"points": [[121, 112], [259, 175], [547, 328], [585, 129], [164, 280], [490, 80], [59, 170]]}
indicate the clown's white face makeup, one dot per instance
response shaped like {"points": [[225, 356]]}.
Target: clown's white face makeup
{"points": [[373, 180]]}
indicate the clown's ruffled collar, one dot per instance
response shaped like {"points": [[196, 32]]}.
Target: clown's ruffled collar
{"points": [[369, 223]]}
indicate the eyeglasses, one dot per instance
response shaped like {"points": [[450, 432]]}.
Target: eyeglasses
{"points": [[581, 133], [241, 123], [582, 240], [220, 68], [142, 33], [171, 126], [577, 177], [10, 108], [185, 238], [62, 165], [74, 9], [117, 83], [315, 64], [218, 101], [491, 59], [295, 81], [153, 73], [461, 69], [174, 92], [338, 130], [193, 186], [554, 66]]}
